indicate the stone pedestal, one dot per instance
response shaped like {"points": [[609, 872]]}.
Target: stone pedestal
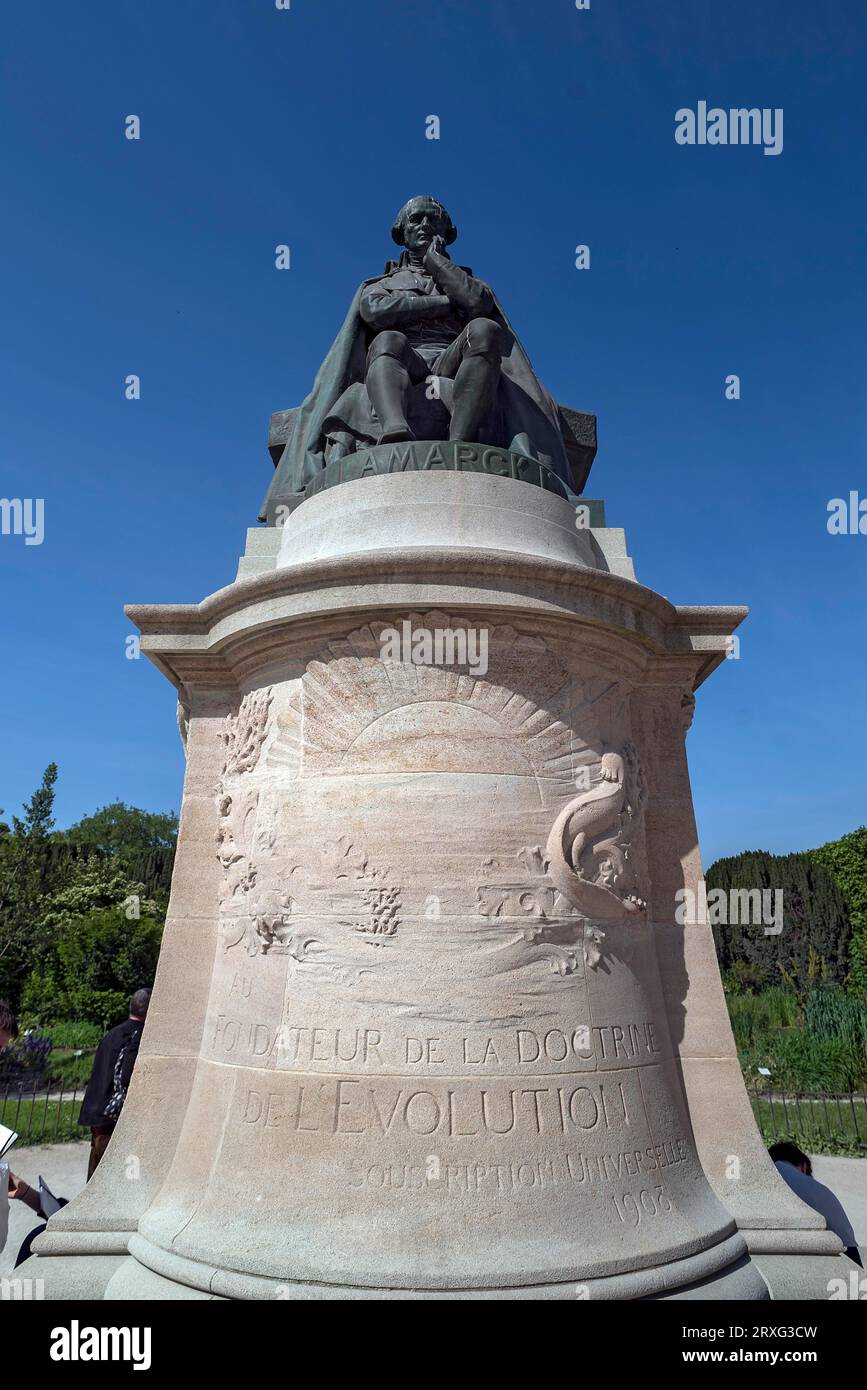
{"points": [[423, 1023]]}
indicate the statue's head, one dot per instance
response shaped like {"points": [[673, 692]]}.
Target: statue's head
{"points": [[613, 768], [419, 221]]}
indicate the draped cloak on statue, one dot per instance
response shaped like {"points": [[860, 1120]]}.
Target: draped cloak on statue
{"points": [[524, 416]]}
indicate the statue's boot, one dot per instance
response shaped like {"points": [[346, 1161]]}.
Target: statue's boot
{"points": [[475, 384], [387, 386]]}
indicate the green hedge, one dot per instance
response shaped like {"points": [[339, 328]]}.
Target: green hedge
{"points": [[846, 861], [65, 1033], [813, 944]]}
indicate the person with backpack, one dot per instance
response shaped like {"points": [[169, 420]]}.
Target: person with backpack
{"points": [[110, 1078]]}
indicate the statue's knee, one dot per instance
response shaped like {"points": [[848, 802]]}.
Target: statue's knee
{"points": [[486, 336], [388, 344]]}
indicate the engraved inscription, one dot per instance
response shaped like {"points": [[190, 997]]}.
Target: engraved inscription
{"points": [[349, 1105], [506, 1050], [574, 1168]]}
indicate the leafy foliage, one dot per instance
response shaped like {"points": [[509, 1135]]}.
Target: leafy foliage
{"points": [[124, 830], [25, 875], [832, 1014], [802, 1063], [153, 868], [71, 1070], [755, 1017], [38, 819], [89, 885], [81, 911], [95, 962], [813, 1044], [846, 860], [66, 1034], [25, 1060], [814, 943]]}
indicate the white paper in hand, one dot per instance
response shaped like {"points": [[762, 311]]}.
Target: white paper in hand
{"points": [[7, 1139], [47, 1200]]}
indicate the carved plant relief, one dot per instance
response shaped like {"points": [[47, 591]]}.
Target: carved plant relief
{"points": [[297, 909], [244, 734]]}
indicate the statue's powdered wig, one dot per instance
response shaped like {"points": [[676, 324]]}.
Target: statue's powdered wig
{"points": [[400, 221]]}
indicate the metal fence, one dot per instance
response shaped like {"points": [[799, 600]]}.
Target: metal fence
{"points": [[40, 1114], [811, 1118]]}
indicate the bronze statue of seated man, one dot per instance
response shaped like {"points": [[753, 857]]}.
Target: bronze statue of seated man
{"points": [[431, 319], [426, 351]]}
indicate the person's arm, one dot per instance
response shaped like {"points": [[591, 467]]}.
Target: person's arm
{"points": [[385, 308], [23, 1192], [464, 291]]}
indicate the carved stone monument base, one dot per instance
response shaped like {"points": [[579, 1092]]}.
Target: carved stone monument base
{"points": [[424, 1024]]}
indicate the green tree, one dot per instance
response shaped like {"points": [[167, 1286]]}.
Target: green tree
{"points": [[96, 940], [89, 885], [813, 946], [38, 818], [120, 859], [846, 860], [24, 877], [124, 830], [96, 961]]}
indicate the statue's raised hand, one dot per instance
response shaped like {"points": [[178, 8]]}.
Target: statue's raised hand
{"points": [[437, 245]]}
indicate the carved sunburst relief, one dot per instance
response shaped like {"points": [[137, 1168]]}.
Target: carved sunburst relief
{"points": [[356, 712]]}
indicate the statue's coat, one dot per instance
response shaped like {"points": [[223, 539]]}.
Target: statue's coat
{"points": [[528, 418]]}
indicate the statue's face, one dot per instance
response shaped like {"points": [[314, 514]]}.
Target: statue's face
{"points": [[423, 222]]}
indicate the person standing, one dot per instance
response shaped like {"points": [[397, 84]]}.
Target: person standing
{"points": [[10, 1185], [110, 1078]]}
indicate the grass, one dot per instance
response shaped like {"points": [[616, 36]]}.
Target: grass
{"points": [[44, 1119], [821, 1125], [68, 1068], [755, 1016]]}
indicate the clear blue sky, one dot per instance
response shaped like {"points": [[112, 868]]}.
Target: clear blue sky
{"points": [[307, 127]]}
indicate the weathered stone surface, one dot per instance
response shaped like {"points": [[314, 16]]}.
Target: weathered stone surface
{"points": [[453, 511], [430, 1026]]}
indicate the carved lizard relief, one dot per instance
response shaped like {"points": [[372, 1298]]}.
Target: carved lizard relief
{"points": [[588, 848]]}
